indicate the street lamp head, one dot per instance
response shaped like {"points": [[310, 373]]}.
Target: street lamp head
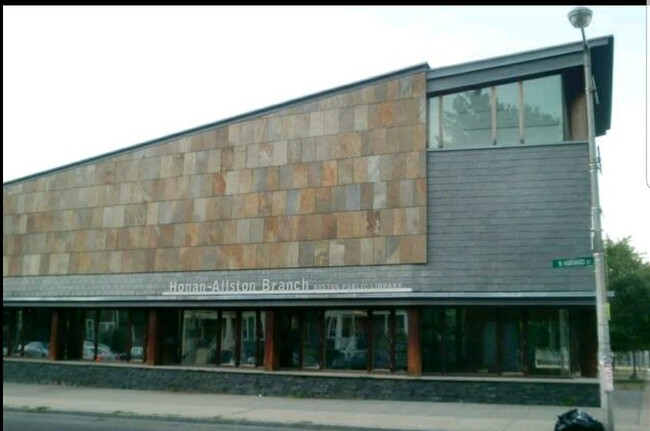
{"points": [[580, 17]]}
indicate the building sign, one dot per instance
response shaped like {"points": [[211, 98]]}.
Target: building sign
{"points": [[228, 286]]}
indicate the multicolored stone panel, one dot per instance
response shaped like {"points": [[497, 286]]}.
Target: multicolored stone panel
{"points": [[336, 180]]}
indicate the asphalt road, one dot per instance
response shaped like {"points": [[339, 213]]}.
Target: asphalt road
{"points": [[42, 421]]}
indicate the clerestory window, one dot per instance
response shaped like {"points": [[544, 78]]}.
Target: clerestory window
{"points": [[522, 112]]}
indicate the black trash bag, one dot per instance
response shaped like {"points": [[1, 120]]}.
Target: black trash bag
{"points": [[577, 420]]}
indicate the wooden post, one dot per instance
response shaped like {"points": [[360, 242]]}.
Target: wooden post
{"points": [[152, 339], [270, 346], [55, 333], [414, 354]]}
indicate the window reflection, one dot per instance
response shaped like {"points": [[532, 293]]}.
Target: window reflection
{"points": [[543, 109], [252, 338], [381, 339], [401, 340], [507, 111], [312, 341], [30, 337], [548, 347], [199, 337], [346, 345], [467, 118], [228, 335]]}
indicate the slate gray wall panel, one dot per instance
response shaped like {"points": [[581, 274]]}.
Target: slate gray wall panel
{"points": [[498, 217]]}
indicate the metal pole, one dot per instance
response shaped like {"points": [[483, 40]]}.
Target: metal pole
{"points": [[605, 372]]}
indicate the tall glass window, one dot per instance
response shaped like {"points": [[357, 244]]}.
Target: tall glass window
{"points": [[467, 118], [548, 342], [114, 334], [199, 337], [507, 114], [436, 134], [511, 336], [17, 338], [112, 331], [431, 340], [252, 338], [290, 339], [346, 343], [7, 317], [481, 340], [312, 341], [401, 340], [543, 109], [30, 337], [229, 336], [139, 321], [381, 339], [452, 345]]}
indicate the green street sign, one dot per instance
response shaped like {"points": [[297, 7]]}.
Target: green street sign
{"points": [[573, 262]]}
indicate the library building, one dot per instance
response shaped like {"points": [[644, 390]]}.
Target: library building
{"points": [[407, 236]]}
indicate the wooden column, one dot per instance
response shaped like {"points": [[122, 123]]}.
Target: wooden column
{"points": [[270, 345], [55, 336], [414, 354], [152, 353]]}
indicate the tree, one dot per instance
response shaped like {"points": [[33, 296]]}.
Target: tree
{"points": [[628, 276]]}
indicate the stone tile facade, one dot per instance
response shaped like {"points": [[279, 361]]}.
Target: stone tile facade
{"points": [[334, 180]]}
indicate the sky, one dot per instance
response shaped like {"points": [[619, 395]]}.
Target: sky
{"points": [[79, 82]]}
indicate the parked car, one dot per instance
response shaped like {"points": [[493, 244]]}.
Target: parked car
{"points": [[36, 349], [103, 351], [137, 353]]}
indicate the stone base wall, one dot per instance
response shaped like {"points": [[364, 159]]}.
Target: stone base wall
{"points": [[304, 385]]}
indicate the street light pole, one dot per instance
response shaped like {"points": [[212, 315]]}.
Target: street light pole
{"points": [[580, 17]]}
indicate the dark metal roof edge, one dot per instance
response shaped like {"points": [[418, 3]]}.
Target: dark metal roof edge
{"points": [[301, 297], [258, 112], [516, 58]]}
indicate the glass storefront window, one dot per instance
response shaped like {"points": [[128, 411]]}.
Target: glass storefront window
{"points": [[7, 316], [534, 341], [346, 343], [252, 338], [17, 334], [139, 321], [548, 342], [312, 340], [112, 331], [511, 335], [481, 340], [290, 341], [401, 340], [381, 337], [30, 337], [228, 337], [199, 337], [431, 339], [452, 340]]}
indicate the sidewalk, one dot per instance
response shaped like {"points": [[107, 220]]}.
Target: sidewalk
{"points": [[631, 409]]}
